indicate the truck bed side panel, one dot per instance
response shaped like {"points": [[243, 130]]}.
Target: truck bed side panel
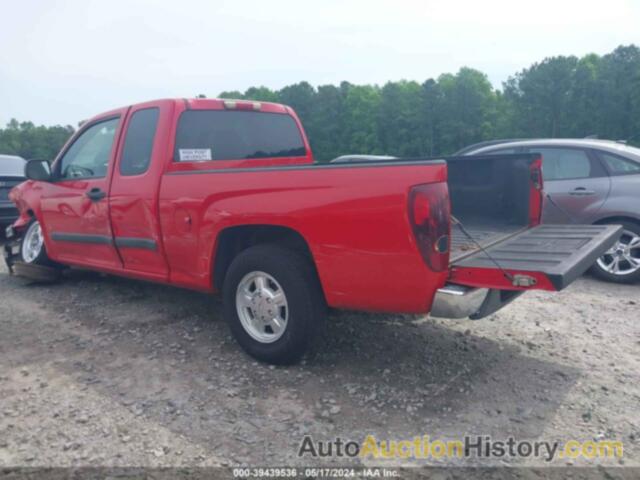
{"points": [[353, 217]]}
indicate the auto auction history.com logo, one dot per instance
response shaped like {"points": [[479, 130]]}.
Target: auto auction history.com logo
{"points": [[470, 446]]}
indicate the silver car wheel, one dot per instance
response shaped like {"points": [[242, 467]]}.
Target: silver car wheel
{"points": [[262, 307], [32, 243], [624, 257]]}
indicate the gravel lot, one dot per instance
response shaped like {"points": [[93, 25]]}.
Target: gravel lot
{"points": [[98, 370]]}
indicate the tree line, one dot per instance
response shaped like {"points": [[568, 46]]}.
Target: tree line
{"points": [[30, 141], [561, 96]]}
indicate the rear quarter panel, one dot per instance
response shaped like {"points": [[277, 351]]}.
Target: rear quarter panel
{"points": [[354, 220], [623, 200]]}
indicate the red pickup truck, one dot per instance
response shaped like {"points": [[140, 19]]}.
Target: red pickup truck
{"points": [[224, 196]]}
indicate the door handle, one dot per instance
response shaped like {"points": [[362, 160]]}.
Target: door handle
{"points": [[95, 194], [581, 191]]}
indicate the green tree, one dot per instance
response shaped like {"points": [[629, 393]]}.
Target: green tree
{"points": [[301, 97], [30, 141], [260, 94], [430, 104], [466, 110], [328, 123], [541, 96], [400, 132], [620, 87], [231, 95], [360, 126], [585, 97]]}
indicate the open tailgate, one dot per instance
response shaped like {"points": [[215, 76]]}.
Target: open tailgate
{"points": [[546, 257]]}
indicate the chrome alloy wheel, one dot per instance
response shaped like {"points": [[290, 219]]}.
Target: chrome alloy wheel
{"points": [[32, 243], [262, 307], [624, 257]]}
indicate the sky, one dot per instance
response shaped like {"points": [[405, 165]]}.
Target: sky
{"points": [[64, 61]]}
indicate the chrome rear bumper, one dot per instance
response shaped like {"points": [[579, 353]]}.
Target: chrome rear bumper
{"points": [[457, 301]]}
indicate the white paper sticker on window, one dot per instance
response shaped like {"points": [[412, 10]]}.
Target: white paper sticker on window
{"points": [[194, 154]]}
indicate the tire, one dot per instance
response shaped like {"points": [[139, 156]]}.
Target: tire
{"points": [[626, 251], [273, 303], [32, 248]]}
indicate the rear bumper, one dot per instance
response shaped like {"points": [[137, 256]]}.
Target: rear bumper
{"points": [[458, 301]]}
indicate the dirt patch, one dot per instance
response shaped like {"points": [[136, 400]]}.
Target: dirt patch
{"points": [[98, 370]]}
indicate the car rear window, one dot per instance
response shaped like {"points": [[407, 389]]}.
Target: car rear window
{"points": [[618, 165], [236, 135]]}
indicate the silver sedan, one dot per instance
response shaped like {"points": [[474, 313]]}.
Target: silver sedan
{"points": [[588, 181]]}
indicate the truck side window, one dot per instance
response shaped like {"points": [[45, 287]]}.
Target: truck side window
{"points": [[236, 135], [138, 143], [88, 156]]}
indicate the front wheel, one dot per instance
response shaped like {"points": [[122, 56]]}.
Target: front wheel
{"points": [[621, 263], [32, 249], [273, 303]]}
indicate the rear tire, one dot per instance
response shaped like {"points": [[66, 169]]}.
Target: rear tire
{"points": [[273, 303], [621, 263]]}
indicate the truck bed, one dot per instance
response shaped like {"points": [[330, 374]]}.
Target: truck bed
{"points": [[490, 197], [485, 234]]}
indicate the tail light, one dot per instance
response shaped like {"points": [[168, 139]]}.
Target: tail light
{"points": [[430, 217]]}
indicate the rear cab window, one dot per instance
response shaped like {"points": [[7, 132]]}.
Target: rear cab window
{"points": [[210, 135]]}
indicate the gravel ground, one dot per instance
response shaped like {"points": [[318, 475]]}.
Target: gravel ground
{"points": [[98, 370]]}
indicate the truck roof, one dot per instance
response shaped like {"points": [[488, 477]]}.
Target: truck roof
{"points": [[206, 104]]}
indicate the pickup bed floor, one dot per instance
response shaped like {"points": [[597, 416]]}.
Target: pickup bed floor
{"points": [[485, 235]]}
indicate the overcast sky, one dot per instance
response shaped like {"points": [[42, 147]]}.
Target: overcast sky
{"points": [[63, 61]]}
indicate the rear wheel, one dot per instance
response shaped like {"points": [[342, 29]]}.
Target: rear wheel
{"points": [[273, 303], [621, 263]]}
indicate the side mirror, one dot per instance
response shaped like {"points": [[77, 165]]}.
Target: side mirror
{"points": [[37, 170]]}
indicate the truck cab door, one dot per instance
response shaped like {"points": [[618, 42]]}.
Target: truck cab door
{"points": [[134, 190], [75, 204], [576, 182]]}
